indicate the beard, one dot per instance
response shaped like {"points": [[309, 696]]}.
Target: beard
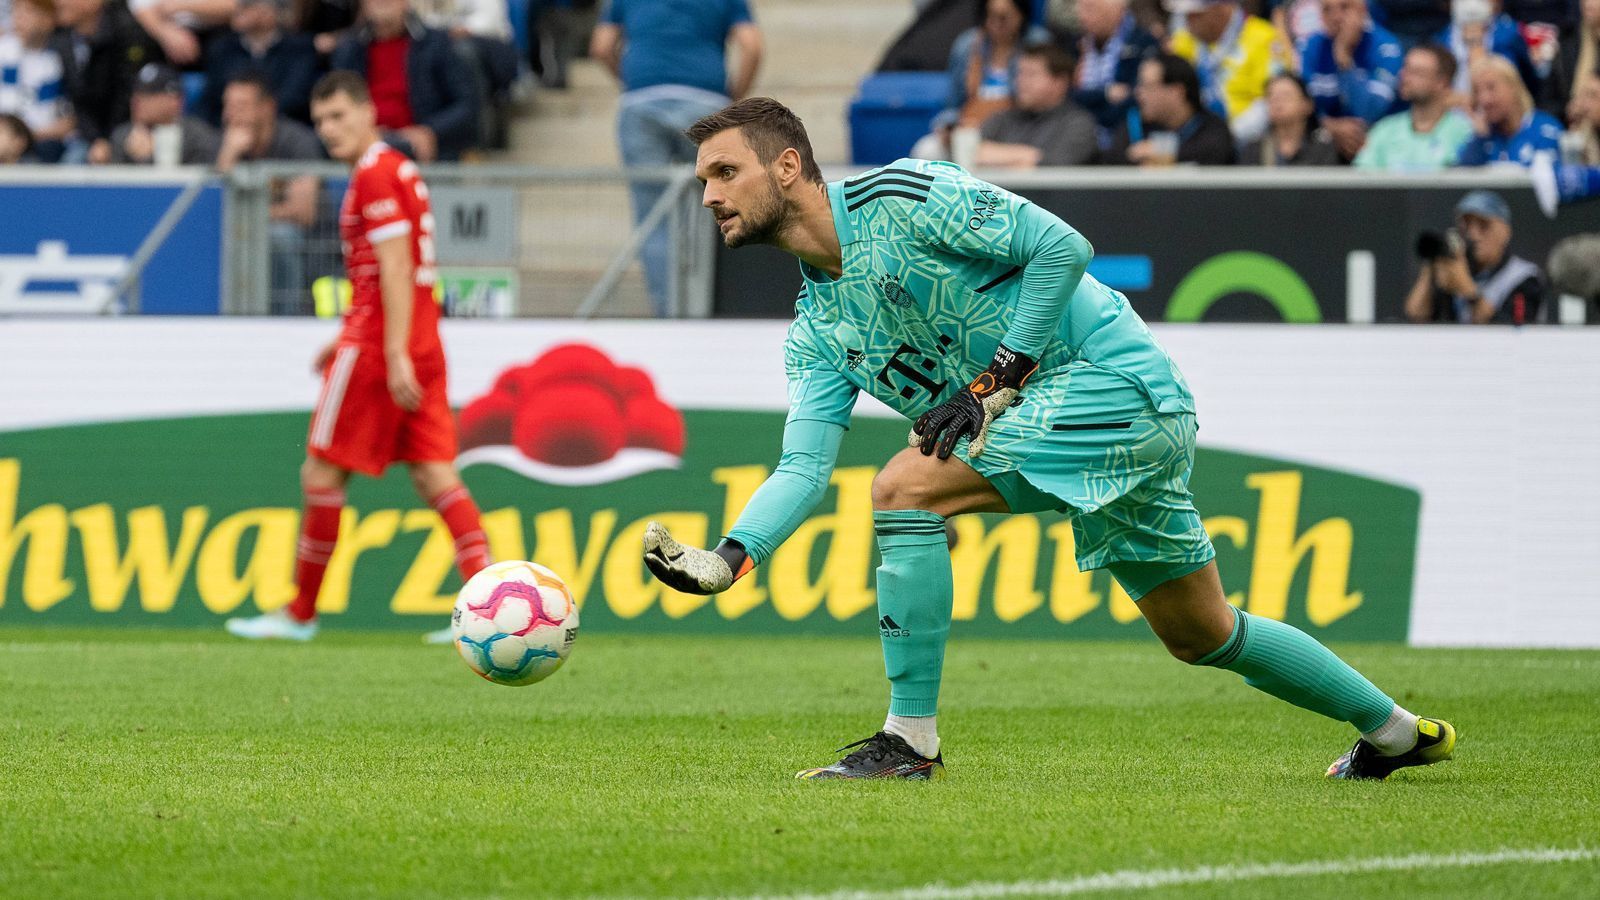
{"points": [[762, 222]]}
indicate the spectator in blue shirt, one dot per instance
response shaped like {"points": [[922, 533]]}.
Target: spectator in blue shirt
{"points": [[671, 57], [1477, 27], [1351, 68], [258, 42], [1506, 126], [1412, 21], [1109, 54]]}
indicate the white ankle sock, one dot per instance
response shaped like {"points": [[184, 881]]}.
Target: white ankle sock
{"points": [[921, 732], [1396, 735]]}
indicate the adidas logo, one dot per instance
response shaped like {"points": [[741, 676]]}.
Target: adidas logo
{"points": [[853, 359], [890, 628]]}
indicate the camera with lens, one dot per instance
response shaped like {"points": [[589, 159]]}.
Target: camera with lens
{"points": [[1434, 245]]}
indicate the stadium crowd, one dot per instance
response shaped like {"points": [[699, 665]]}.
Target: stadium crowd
{"points": [[1396, 85]]}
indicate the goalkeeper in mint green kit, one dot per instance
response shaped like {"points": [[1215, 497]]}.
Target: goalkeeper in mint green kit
{"points": [[1032, 387]]}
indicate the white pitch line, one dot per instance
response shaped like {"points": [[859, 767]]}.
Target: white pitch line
{"points": [[1144, 879]]}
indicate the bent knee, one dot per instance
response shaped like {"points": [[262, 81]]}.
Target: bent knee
{"points": [[894, 488]]}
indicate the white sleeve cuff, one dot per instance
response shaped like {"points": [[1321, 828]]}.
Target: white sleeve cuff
{"points": [[393, 229]]}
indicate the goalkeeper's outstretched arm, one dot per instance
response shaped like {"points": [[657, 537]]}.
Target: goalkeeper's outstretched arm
{"points": [[784, 501]]}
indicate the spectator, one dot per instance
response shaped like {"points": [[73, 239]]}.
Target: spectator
{"points": [[1428, 136], [1108, 59], [182, 27], [1351, 67], [1234, 55], [1505, 126], [983, 63], [1583, 124], [1474, 278], [671, 60], [1551, 30], [254, 130], [422, 89], [1044, 127], [31, 71], [1413, 22], [158, 132], [102, 48], [1170, 125], [258, 42], [16, 141], [1581, 53], [1297, 21], [481, 30], [1477, 29], [1293, 137]]}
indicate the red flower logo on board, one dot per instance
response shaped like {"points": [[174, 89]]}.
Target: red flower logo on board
{"points": [[572, 417]]}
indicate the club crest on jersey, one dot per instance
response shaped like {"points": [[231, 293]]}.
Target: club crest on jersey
{"points": [[895, 293]]}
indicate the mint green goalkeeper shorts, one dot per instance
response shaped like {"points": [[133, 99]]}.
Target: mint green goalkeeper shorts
{"points": [[1087, 442]]}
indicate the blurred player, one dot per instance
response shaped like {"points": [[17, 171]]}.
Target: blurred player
{"points": [[383, 391], [947, 298]]}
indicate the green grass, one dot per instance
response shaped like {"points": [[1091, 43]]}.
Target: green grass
{"points": [[181, 764]]}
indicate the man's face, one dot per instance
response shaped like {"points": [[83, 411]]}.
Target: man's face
{"points": [[255, 18], [1210, 22], [1419, 78], [1489, 238], [1037, 89], [742, 194], [156, 108], [385, 15], [1101, 17], [1159, 103], [243, 106], [345, 126], [1339, 15]]}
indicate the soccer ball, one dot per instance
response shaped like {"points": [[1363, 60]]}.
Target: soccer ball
{"points": [[514, 623]]}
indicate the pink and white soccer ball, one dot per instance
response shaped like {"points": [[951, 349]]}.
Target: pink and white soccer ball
{"points": [[514, 622]]}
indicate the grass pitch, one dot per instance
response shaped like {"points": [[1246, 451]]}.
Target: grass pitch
{"points": [[183, 764]]}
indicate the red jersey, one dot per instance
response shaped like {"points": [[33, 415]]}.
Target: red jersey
{"points": [[387, 199]]}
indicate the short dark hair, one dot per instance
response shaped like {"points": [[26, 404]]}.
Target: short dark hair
{"points": [[1058, 61], [1024, 9], [347, 83], [1177, 70], [256, 79], [769, 128], [1443, 58]]}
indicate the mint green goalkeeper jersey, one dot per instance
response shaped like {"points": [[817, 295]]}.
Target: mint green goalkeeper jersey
{"points": [[940, 268]]}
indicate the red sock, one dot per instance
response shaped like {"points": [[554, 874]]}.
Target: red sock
{"points": [[319, 531], [460, 515]]}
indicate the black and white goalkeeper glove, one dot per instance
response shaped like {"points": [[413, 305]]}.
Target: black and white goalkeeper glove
{"points": [[690, 569], [970, 411]]}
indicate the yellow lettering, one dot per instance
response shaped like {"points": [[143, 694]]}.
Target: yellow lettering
{"points": [[843, 580], [629, 588], [357, 534], [1279, 553], [1015, 541], [739, 483], [267, 573], [1072, 593], [555, 546], [44, 581], [160, 568], [504, 528], [1237, 531], [418, 593], [1123, 609]]}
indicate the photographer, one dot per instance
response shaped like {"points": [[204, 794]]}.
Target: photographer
{"points": [[1469, 276]]}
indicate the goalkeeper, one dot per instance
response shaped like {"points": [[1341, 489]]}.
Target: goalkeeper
{"points": [[1032, 387]]}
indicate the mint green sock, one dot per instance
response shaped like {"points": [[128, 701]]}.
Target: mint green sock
{"points": [[1291, 665], [915, 594]]}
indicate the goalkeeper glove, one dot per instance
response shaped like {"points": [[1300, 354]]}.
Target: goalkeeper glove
{"points": [[690, 569], [970, 411]]}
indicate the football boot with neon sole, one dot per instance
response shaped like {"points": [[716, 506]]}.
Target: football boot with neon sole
{"points": [[277, 625], [883, 755], [1436, 742]]}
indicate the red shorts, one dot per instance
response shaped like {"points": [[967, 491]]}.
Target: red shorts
{"points": [[357, 425]]}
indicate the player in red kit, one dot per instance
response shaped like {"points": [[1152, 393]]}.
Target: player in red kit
{"points": [[383, 390]]}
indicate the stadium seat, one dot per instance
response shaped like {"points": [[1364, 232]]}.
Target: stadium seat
{"points": [[890, 111]]}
